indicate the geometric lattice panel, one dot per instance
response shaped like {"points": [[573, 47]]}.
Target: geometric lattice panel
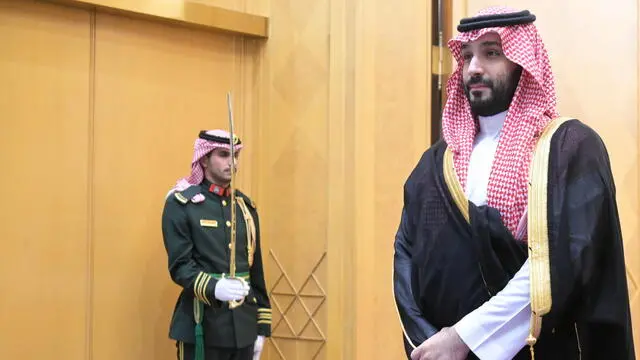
{"points": [[309, 299]]}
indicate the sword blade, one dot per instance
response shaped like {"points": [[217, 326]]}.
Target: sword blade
{"points": [[232, 242]]}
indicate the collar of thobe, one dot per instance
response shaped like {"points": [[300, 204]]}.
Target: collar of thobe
{"points": [[482, 156], [490, 126]]}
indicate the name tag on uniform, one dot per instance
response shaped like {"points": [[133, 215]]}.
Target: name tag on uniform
{"points": [[208, 223]]}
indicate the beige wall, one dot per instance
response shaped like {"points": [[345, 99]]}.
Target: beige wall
{"points": [[155, 87], [100, 117], [100, 114], [343, 119], [44, 268]]}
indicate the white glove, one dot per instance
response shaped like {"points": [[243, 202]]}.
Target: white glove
{"points": [[231, 289], [257, 347]]}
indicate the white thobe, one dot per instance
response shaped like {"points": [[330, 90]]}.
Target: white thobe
{"points": [[498, 329]]}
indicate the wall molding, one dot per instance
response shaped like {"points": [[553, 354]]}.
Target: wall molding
{"points": [[185, 13]]}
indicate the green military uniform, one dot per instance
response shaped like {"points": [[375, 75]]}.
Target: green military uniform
{"points": [[197, 237]]}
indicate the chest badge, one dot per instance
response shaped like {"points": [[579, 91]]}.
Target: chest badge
{"points": [[208, 223]]}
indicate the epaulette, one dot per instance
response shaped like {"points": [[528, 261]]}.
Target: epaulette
{"points": [[187, 194], [247, 200], [252, 204]]}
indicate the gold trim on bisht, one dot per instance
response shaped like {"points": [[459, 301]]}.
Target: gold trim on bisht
{"points": [[455, 188], [538, 232], [395, 304]]}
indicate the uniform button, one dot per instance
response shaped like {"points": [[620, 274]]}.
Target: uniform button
{"points": [[228, 223], [224, 202]]}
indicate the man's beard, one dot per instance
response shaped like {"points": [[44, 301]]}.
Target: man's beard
{"points": [[500, 97]]}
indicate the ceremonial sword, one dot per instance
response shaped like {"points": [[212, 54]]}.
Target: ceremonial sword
{"points": [[232, 244]]}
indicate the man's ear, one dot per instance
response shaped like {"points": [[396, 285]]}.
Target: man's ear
{"points": [[203, 161]]}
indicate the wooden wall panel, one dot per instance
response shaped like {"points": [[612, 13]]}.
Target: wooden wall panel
{"points": [[156, 87], [293, 175], [334, 110], [391, 131], [44, 104], [345, 103], [588, 90]]}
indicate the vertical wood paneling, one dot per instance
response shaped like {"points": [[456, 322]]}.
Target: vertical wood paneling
{"points": [[342, 269], [294, 171], [392, 74], [334, 111], [44, 104], [156, 87], [335, 160]]}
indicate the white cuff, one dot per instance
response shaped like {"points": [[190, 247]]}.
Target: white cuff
{"points": [[498, 329]]}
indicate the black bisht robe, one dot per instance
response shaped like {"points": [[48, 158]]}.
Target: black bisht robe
{"points": [[445, 266]]}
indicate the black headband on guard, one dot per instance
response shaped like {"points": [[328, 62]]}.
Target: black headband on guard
{"points": [[497, 20], [222, 140]]}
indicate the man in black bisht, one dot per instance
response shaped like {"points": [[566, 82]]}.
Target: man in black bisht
{"points": [[509, 244]]}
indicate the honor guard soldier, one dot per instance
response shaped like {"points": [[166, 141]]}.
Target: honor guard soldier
{"points": [[216, 316]]}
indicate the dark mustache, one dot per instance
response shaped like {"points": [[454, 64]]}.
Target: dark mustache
{"points": [[479, 80]]}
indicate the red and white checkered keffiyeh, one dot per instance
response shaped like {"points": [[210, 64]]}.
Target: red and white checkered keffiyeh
{"points": [[201, 148], [533, 106]]}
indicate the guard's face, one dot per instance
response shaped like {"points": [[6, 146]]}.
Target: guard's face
{"points": [[217, 166], [490, 79]]}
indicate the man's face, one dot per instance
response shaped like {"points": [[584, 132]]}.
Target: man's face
{"points": [[490, 79], [217, 166]]}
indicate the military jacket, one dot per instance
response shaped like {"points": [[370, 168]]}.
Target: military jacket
{"points": [[197, 234]]}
